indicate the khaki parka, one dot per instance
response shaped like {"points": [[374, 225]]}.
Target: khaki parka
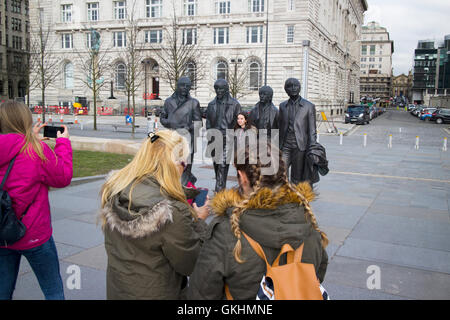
{"points": [[152, 247], [271, 219]]}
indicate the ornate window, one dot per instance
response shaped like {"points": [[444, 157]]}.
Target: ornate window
{"points": [[191, 73], [120, 76], [221, 70], [68, 75], [255, 75]]}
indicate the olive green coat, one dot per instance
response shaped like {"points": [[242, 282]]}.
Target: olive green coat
{"points": [[151, 248], [270, 219]]}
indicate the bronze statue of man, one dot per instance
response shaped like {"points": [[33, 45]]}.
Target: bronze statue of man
{"points": [[221, 114], [264, 114], [297, 130], [180, 111]]}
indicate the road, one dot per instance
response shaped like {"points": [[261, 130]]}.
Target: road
{"points": [[385, 211]]}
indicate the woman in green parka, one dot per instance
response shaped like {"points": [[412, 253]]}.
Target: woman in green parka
{"points": [[152, 235], [272, 212]]}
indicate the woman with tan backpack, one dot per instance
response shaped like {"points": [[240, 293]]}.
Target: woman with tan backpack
{"points": [[254, 226]]}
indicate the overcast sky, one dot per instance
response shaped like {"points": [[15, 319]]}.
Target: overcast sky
{"points": [[408, 21]]}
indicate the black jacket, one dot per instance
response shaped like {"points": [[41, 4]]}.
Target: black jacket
{"points": [[254, 117], [304, 125], [174, 117], [232, 110], [316, 162]]}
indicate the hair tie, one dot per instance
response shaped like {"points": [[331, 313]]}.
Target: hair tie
{"points": [[153, 136]]}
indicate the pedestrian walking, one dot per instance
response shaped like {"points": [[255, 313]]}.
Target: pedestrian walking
{"points": [[152, 235], [272, 212], [35, 168]]}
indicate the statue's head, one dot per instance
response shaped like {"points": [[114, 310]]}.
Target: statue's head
{"points": [[221, 87], [292, 87], [183, 86], [265, 94]]}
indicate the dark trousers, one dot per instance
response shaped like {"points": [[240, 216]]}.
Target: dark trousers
{"points": [[187, 175], [295, 159], [221, 171], [45, 264]]}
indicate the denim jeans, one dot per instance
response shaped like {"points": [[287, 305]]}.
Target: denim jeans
{"points": [[45, 264]]}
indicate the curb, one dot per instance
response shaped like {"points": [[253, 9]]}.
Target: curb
{"points": [[83, 180]]}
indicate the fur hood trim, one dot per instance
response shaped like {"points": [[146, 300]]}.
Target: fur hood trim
{"points": [[264, 199], [145, 224]]}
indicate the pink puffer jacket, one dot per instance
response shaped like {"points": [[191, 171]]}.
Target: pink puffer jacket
{"points": [[28, 182]]}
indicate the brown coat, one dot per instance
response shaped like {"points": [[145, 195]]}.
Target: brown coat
{"points": [[151, 248], [272, 220]]}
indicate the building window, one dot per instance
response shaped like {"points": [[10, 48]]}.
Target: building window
{"points": [[190, 36], [372, 50], [223, 7], [291, 5], [92, 11], [154, 8], [221, 70], [256, 5], [16, 24], [191, 73], [255, 75], [221, 35], [15, 6], [380, 59], [290, 34], [364, 50], [120, 39], [66, 13], [153, 36], [255, 34], [120, 76], [67, 41], [68, 76], [190, 7], [120, 10]]}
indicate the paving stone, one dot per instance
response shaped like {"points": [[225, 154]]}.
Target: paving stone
{"points": [[77, 233], [396, 280], [407, 256], [95, 258], [344, 292]]}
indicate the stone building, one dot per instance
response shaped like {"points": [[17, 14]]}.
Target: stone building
{"points": [[14, 45], [315, 41], [376, 62], [402, 86]]}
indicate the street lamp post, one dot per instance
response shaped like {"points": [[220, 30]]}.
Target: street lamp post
{"points": [[145, 63]]}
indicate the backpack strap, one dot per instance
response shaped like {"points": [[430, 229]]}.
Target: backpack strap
{"points": [[257, 248], [7, 172]]}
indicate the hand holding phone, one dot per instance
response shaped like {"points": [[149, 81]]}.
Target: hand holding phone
{"points": [[52, 131]]}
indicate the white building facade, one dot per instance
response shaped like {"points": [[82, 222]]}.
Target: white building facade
{"points": [[316, 41], [376, 62]]}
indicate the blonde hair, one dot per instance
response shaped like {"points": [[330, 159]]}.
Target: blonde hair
{"points": [[16, 117], [157, 159], [274, 183]]}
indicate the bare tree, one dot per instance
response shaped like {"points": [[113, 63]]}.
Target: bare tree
{"points": [[133, 59], [94, 66], [177, 53], [45, 65], [237, 78]]}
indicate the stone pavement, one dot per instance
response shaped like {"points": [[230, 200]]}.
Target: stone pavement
{"points": [[381, 207]]}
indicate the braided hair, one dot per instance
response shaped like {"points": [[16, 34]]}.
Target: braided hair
{"points": [[258, 182]]}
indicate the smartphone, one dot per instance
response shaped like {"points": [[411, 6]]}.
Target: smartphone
{"points": [[50, 131], [200, 199]]}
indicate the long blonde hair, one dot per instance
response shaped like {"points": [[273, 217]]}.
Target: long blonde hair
{"points": [[156, 159], [16, 117]]}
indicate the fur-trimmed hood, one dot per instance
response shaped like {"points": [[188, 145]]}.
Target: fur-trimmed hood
{"points": [[264, 199], [148, 213]]}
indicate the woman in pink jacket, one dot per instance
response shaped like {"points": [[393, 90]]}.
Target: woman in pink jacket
{"points": [[36, 168]]}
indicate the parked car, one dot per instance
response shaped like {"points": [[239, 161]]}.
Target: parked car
{"points": [[425, 114], [359, 114], [441, 116], [411, 107], [417, 110]]}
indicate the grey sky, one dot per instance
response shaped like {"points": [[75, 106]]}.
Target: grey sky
{"points": [[408, 21]]}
